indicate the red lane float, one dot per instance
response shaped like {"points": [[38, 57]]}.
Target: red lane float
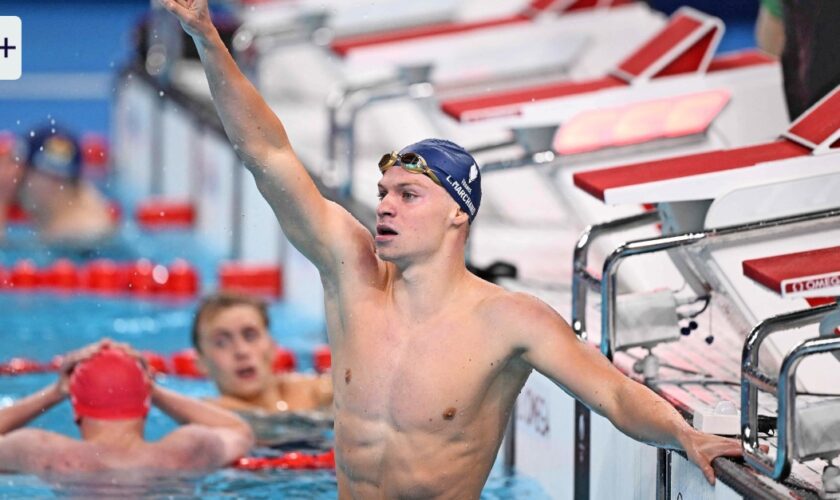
{"points": [[284, 361], [94, 153], [185, 363], [159, 213], [16, 214], [156, 362], [24, 275], [23, 366], [103, 276], [292, 460], [251, 278], [61, 275], [183, 278], [322, 359]]}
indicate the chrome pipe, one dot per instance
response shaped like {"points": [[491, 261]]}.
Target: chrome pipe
{"points": [[787, 403], [582, 279], [652, 245], [753, 380], [608, 278], [344, 105]]}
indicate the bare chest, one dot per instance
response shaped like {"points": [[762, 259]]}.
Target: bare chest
{"points": [[415, 375]]}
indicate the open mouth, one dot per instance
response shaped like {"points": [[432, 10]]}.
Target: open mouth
{"points": [[248, 372], [384, 230]]}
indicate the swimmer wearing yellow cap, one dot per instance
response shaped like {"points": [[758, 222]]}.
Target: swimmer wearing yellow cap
{"points": [[111, 393], [427, 359]]}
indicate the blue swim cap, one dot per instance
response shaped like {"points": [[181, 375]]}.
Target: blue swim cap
{"points": [[455, 168], [56, 152]]}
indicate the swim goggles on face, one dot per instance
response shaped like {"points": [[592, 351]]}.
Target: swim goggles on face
{"points": [[411, 162]]}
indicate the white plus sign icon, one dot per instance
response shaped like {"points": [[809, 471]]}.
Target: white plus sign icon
{"points": [[11, 41]]}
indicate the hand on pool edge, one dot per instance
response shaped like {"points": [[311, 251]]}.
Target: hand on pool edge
{"points": [[702, 449]]}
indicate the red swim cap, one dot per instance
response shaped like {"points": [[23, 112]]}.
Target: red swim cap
{"points": [[110, 385]]}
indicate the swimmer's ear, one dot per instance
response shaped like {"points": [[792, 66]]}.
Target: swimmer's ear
{"points": [[460, 217]]}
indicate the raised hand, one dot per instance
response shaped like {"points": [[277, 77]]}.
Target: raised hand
{"points": [[702, 449], [71, 359], [193, 14]]}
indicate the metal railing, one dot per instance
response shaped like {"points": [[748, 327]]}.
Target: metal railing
{"points": [[784, 387], [343, 106], [582, 279], [653, 245]]}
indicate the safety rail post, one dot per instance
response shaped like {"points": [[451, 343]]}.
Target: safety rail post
{"points": [[658, 244], [608, 278], [753, 380], [582, 279], [345, 103]]}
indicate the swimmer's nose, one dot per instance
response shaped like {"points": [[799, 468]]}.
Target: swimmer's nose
{"points": [[385, 208], [240, 349]]}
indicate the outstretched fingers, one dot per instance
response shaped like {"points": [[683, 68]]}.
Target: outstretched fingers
{"points": [[179, 8]]}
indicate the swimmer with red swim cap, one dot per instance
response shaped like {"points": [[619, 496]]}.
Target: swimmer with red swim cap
{"points": [[111, 393], [427, 358], [110, 385], [42, 172]]}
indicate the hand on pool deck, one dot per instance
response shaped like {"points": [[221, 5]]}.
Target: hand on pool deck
{"points": [[427, 358], [111, 392], [702, 449]]}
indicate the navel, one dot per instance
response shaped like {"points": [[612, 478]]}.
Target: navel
{"points": [[449, 414]]}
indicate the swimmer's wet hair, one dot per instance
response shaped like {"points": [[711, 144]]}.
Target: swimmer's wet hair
{"points": [[218, 302]]}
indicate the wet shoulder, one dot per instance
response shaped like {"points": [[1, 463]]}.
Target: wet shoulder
{"points": [[47, 452], [188, 447], [507, 310], [20, 445]]}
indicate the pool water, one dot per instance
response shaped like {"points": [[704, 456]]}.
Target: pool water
{"points": [[41, 325]]}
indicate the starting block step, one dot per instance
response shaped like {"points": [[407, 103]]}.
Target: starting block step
{"points": [[723, 419]]}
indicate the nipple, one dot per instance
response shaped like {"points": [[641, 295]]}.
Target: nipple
{"points": [[449, 414]]}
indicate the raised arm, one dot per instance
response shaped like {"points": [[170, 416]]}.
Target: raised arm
{"points": [[20, 413], [209, 423], [549, 345], [18, 445], [23, 411], [318, 228]]}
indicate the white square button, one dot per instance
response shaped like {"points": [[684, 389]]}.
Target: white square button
{"points": [[10, 47]]}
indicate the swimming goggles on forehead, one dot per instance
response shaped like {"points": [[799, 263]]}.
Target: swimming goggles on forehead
{"points": [[411, 162]]}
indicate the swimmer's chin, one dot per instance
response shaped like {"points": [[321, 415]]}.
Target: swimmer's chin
{"points": [[383, 254]]}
